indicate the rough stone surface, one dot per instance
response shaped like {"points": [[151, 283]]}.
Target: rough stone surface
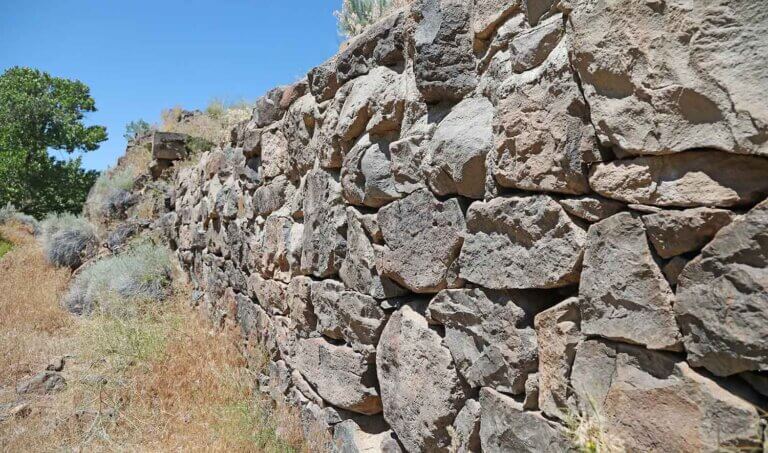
{"points": [[338, 374], [423, 237], [544, 139], [665, 77], [466, 428], [558, 332], [323, 244], [652, 401], [591, 208], [42, 383], [366, 177], [690, 179], [169, 146], [722, 301], [673, 233], [624, 294], [521, 242], [455, 160], [505, 427], [444, 62], [420, 418], [488, 337]]}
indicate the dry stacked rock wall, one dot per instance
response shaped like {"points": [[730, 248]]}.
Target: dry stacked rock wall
{"points": [[482, 218]]}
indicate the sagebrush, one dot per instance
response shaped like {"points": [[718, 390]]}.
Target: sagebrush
{"points": [[66, 239], [357, 15]]}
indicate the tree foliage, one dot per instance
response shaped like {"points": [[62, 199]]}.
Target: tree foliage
{"points": [[39, 112]]}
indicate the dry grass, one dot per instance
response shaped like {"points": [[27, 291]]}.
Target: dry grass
{"points": [[589, 435], [213, 125], [162, 380]]}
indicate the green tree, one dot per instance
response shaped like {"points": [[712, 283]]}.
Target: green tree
{"points": [[40, 112]]}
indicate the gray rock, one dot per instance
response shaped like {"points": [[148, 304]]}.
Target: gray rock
{"points": [[536, 10], [466, 428], [298, 297], [169, 146], [298, 126], [505, 427], [408, 156], [359, 271], [624, 294], [375, 103], [676, 232], [410, 358], [530, 48], [531, 401], [722, 301], [444, 62], [455, 160], [695, 78], [272, 196], [324, 245], [557, 330], [673, 269], [488, 338], [272, 255], [269, 293], [651, 400], [340, 375], [268, 109], [366, 176], [544, 139], [690, 179], [42, 383], [350, 437], [423, 237], [275, 160], [521, 242], [347, 315], [591, 208]]}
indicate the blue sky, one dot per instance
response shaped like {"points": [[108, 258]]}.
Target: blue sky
{"points": [[141, 56]]}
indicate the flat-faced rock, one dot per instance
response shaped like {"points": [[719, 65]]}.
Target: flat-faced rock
{"points": [[673, 233], [722, 298], [423, 237], [366, 174], [557, 330], [273, 250], [360, 271], [420, 388], [530, 47], [592, 208], [444, 61], [347, 315], [323, 245], [488, 337], [521, 242], [506, 427], [340, 375], [272, 195], [298, 298], [274, 153], [651, 400], [466, 428], [624, 294], [544, 140], [456, 155], [298, 127], [690, 179], [695, 79], [375, 103]]}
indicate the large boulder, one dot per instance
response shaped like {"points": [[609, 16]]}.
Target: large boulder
{"points": [[420, 388], [665, 77], [544, 139], [653, 402], [673, 233], [455, 160], [423, 237], [444, 62], [722, 298], [169, 146], [690, 179], [375, 103], [506, 427], [488, 337], [558, 333], [521, 242], [340, 375], [323, 246], [624, 294], [366, 175]]}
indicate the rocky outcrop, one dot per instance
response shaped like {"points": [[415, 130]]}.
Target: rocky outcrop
{"points": [[484, 220]]}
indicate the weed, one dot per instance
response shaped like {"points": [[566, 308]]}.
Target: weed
{"points": [[66, 238]]}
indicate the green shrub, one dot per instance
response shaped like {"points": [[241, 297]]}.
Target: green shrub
{"points": [[356, 15], [5, 246], [137, 129], [66, 238], [116, 284], [111, 194]]}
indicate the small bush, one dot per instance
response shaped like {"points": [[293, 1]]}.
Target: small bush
{"points": [[357, 15], [213, 125], [137, 128], [115, 285], [589, 435], [10, 214], [66, 238], [111, 196]]}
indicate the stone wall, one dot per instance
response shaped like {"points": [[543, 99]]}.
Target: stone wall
{"points": [[481, 219]]}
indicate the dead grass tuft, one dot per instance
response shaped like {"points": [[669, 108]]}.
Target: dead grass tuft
{"points": [[161, 380]]}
